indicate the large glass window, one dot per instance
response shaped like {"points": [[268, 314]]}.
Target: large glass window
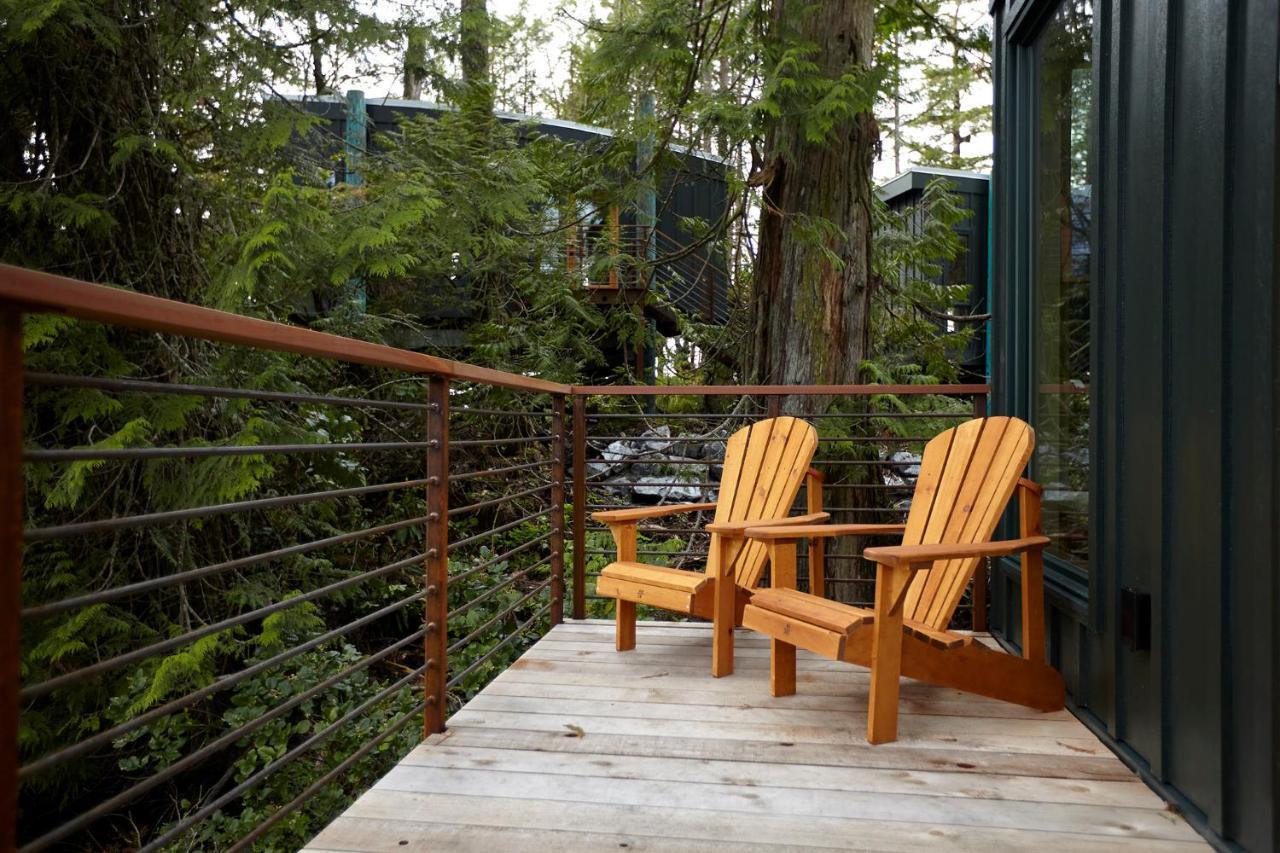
{"points": [[1063, 184]]}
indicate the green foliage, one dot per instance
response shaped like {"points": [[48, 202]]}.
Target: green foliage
{"points": [[935, 55], [141, 147], [723, 75]]}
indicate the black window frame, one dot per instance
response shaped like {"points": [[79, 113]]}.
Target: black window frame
{"points": [[1016, 381]]}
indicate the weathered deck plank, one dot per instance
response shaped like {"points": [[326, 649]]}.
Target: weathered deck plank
{"points": [[577, 747]]}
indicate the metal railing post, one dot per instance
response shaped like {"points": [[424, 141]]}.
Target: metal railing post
{"points": [[579, 506], [436, 643], [557, 509], [11, 490], [981, 575]]}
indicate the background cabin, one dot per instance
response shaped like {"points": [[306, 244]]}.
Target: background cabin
{"points": [[971, 190], [691, 187]]}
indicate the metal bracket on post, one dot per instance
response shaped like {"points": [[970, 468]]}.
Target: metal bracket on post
{"points": [[11, 490], [436, 642], [557, 509]]}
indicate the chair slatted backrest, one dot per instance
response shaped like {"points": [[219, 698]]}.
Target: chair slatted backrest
{"points": [[764, 467], [967, 476]]}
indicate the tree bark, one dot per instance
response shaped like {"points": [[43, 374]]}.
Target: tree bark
{"points": [[415, 63], [317, 55], [813, 286], [473, 55]]}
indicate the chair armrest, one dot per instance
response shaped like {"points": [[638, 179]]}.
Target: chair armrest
{"points": [[913, 555], [773, 530], [640, 513], [738, 529]]}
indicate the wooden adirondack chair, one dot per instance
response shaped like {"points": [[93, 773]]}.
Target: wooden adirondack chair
{"points": [[967, 477], [764, 465]]}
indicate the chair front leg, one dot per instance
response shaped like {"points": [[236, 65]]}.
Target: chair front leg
{"points": [[886, 653], [724, 605], [625, 633], [624, 537]]}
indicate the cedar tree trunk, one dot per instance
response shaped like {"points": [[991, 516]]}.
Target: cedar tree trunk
{"points": [[813, 286]]}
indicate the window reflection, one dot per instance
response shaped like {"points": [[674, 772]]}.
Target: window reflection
{"points": [[1064, 182]]}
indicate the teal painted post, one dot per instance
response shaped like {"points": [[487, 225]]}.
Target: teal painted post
{"points": [[354, 141], [356, 135], [647, 202]]}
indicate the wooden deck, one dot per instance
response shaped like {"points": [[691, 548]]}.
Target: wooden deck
{"points": [[578, 747]]}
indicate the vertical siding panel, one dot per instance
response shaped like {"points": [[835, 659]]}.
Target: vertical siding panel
{"points": [[1192, 592], [1106, 361], [1251, 553], [1140, 450]]}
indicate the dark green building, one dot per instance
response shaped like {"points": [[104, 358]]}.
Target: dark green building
{"points": [[903, 194], [1135, 299]]}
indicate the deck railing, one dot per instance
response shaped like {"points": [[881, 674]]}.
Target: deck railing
{"points": [[179, 699]]}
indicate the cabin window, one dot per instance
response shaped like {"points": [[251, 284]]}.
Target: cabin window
{"points": [[1061, 255]]}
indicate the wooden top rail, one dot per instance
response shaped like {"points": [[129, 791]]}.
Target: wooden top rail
{"points": [[802, 390], [40, 292]]}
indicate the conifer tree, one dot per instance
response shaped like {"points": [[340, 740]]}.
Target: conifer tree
{"points": [[949, 114]]}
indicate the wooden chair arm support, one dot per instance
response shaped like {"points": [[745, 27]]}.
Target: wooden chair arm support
{"points": [[773, 530], [640, 513], [738, 529], [1031, 486], [924, 555]]}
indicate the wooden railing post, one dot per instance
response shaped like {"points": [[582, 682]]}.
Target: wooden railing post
{"points": [[557, 509], [579, 506], [436, 643], [981, 575], [11, 491]]}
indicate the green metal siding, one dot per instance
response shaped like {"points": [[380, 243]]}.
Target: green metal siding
{"points": [[1184, 378]]}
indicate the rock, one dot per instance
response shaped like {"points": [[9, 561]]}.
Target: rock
{"points": [[713, 450], [599, 470], [667, 488], [689, 449], [662, 432], [618, 451], [907, 464]]}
